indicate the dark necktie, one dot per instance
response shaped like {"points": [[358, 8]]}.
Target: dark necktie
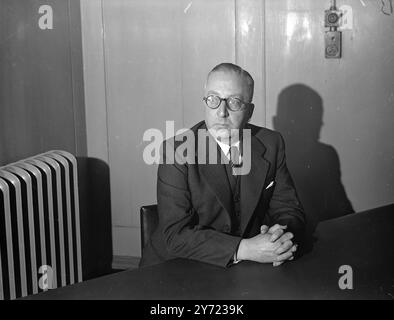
{"points": [[234, 157]]}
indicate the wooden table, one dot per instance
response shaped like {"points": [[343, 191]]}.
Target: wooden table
{"points": [[364, 241]]}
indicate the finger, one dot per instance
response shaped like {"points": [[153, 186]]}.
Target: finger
{"points": [[286, 246], [294, 248], [276, 227], [292, 258], [276, 263], [286, 237], [263, 229], [276, 235], [284, 256]]}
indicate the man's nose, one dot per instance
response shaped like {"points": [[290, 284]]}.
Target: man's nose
{"points": [[222, 110]]}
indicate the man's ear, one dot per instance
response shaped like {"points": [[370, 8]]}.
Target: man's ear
{"points": [[251, 106]]}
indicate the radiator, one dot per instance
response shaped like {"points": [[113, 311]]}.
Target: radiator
{"points": [[40, 241]]}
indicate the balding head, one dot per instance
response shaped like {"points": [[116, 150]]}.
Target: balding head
{"points": [[243, 75]]}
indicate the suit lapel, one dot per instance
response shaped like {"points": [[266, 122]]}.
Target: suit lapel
{"points": [[216, 177], [252, 183]]}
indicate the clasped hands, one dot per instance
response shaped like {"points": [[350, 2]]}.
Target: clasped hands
{"points": [[272, 245]]}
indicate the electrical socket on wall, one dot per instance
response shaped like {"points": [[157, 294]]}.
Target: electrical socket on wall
{"points": [[333, 44]]}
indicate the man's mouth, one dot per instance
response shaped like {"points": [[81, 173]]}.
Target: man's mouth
{"points": [[221, 125]]}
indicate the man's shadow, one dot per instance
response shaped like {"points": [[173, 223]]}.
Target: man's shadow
{"points": [[314, 165]]}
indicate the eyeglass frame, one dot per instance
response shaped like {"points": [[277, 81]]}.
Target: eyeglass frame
{"points": [[226, 100]]}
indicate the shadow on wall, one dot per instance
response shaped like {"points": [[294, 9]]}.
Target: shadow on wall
{"points": [[95, 216], [314, 165]]}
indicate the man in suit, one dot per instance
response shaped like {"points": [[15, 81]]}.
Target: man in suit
{"points": [[208, 212]]}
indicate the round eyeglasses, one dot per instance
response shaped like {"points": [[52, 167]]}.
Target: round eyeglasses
{"points": [[234, 104]]}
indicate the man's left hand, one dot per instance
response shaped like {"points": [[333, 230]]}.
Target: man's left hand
{"points": [[287, 248]]}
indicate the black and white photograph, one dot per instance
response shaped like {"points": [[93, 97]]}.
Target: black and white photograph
{"points": [[196, 155]]}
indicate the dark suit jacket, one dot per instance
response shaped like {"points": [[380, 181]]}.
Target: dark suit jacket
{"points": [[194, 204]]}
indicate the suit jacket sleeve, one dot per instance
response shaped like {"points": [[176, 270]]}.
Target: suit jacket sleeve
{"points": [[285, 207], [183, 236]]}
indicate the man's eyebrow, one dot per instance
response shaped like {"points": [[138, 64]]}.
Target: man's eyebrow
{"points": [[240, 96], [236, 96]]}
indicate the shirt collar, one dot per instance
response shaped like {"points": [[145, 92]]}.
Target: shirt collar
{"points": [[225, 147]]}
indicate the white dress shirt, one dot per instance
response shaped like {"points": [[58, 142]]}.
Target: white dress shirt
{"points": [[226, 150]]}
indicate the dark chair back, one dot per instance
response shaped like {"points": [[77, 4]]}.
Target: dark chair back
{"points": [[149, 219]]}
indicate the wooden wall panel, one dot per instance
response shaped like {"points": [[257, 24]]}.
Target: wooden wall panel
{"points": [[39, 103], [208, 38], [156, 57], [143, 85], [250, 50], [337, 115], [94, 79]]}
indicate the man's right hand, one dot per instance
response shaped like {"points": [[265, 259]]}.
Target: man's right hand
{"points": [[261, 249], [278, 233]]}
